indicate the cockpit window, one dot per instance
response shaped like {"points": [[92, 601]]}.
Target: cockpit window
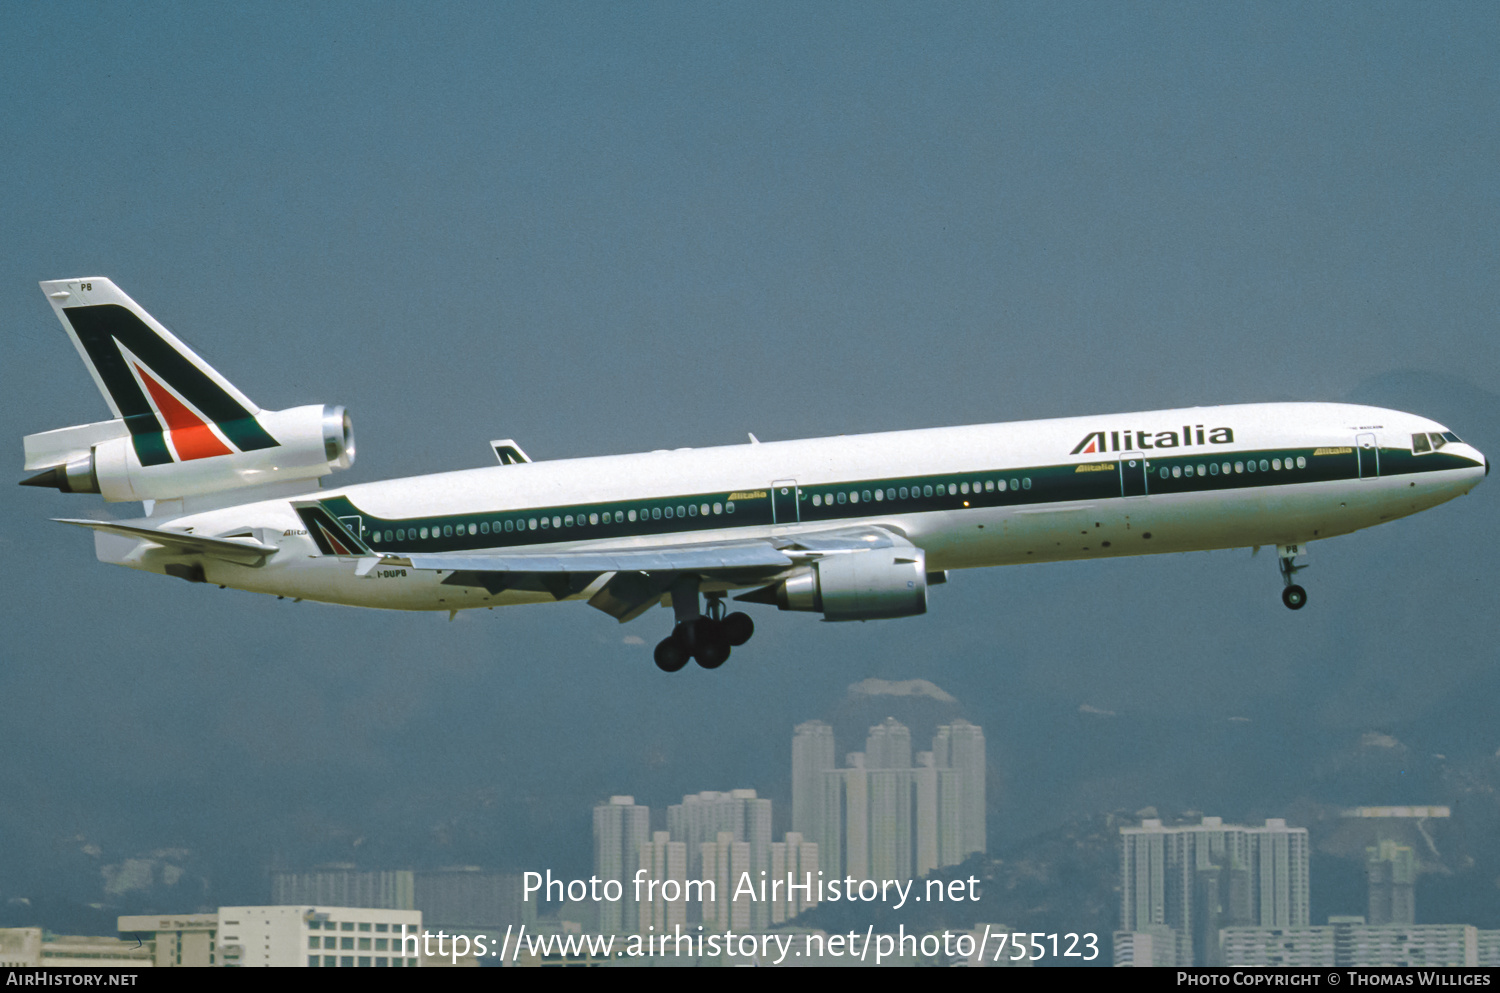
{"points": [[1449, 435], [1431, 441]]}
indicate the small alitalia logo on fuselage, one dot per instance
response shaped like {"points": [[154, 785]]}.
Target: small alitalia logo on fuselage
{"points": [[1132, 440]]}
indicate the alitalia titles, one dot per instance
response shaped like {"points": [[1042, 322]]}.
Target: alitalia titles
{"points": [[1131, 440]]}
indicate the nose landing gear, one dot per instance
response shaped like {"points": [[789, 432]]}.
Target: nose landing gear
{"points": [[1294, 596], [705, 637]]}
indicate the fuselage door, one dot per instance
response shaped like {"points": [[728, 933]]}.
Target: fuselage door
{"points": [[1132, 474], [1369, 456], [784, 509]]}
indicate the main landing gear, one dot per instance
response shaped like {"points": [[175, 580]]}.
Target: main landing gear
{"points": [[707, 638], [1294, 596]]}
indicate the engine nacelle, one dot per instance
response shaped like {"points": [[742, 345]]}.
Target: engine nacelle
{"points": [[859, 586], [305, 443]]}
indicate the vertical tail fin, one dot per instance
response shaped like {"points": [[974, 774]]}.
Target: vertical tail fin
{"points": [[175, 405]]}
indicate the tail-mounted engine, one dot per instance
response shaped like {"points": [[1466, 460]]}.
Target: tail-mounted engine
{"points": [[304, 443]]}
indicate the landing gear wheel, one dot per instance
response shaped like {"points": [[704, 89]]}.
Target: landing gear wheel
{"points": [[713, 655], [738, 627], [1294, 596], [670, 656]]}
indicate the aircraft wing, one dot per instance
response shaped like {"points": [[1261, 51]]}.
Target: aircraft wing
{"points": [[639, 575], [245, 551]]}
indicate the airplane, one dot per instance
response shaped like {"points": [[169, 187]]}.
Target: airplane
{"points": [[851, 527]]}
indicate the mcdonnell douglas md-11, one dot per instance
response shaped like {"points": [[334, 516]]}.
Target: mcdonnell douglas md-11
{"points": [[853, 528]]}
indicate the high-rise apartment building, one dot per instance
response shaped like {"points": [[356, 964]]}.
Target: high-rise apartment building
{"points": [[881, 816], [621, 826], [725, 861], [1199, 878], [793, 860], [812, 756], [1392, 873], [702, 817], [664, 900]]}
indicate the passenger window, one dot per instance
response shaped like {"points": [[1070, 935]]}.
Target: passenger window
{"points": [[1015, 484], [1177, 472], [1001, 486], [1188, 471], [568, 520], [1026, 483], [729, 507], [668, 514], [473, 529], [1213, 468], [854, 496], [557, 522], [401, 534], [703, 510], [879, 495], [717, 508], [593, 518], [447, 530], [1263, 465], [545, 524], [1227, 468], [531, 524], [1239, 467], [484, 527], [963, 488], [927, 491], [1166, 473], [1202, 469], [865, 496], [656, 513], [817, 500], [1301, 462], [842, 497], [681, 511], [953, 489], [989, 486], [1420, 444]]}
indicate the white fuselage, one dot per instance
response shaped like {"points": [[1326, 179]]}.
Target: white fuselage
{"points": [[984, 495]]}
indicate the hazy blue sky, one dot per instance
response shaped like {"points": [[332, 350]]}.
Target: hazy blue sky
{"points": [[603, 228]]}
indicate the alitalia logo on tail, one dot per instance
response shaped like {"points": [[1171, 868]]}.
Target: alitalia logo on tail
{"points": [[1131, 440], [174, 410]]}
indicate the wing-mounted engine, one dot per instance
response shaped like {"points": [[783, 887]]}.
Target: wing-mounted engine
{"points": [[863, 585], [180, 428]]}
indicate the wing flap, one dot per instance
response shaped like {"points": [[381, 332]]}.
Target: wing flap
{"points": [[685, 558]]}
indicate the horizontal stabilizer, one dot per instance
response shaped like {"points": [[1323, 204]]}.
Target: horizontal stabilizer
{"points": [[245, 551]]}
